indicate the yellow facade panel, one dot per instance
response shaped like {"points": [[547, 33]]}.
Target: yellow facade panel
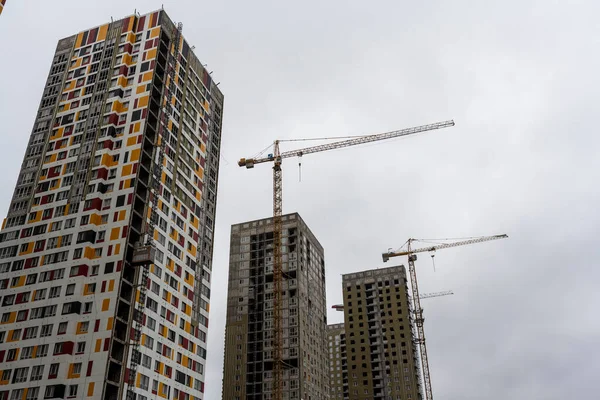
{"points": [[126, 170], [143, 102], [96, 219], [102, 32], [89, 253], [154, 32], [114, 234], [148, 75], [79, 40], [122, 81]]}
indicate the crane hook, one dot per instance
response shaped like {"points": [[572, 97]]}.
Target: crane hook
{"points": [[300, 168], [433, 261]]}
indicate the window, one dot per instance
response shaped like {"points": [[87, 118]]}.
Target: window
{"points": [[55, 292], [72, 390], [151, 323], [30, 333], [27, 353], [149, 342], [16, 335], [77, 368], [20, 375], [10, 299], [11, 355], [6, 374], [49, 393], [52, 243], [80, 347], [66, 240], [70, 289], [53, 370], [46, 330], [42, 351], [62, 328], [31, 279], [33, 392], [146, 361], [22, 315], [144, 382], [17, 394], [83, 328], [36, 373]]}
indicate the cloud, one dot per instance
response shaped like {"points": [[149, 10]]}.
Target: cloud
{"points": [[520, 79]]}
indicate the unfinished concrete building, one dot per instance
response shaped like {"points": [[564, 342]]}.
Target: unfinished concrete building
{"points": [[379, 348], [249, 333], [337, 363]]}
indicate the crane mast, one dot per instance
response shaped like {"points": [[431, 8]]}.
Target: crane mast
{"points": [[418, 311], [276, 158], [277, 271]]}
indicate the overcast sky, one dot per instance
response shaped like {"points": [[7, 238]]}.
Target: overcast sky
{"points": [[520, 78]]}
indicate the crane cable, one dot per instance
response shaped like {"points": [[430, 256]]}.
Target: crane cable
{"points": [[323, 138]]}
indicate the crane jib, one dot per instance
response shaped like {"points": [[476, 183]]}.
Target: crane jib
{"points": [[250, 162]]}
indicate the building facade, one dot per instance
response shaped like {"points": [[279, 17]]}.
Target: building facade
{"points": [[337, 363], [249, 334], [124, 152], [379, 347]]}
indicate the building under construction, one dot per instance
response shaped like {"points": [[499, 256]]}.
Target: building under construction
{"points": [[249, 334], [379, 356], [337, 363]]}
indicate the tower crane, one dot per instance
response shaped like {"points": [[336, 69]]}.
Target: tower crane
{"points": [[412, 257], [340, 307], [276, 158]]}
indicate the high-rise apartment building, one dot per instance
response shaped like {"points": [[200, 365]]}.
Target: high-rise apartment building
{"points": [[249, 334], [337, 363], [124, 152], [379, 345]]}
